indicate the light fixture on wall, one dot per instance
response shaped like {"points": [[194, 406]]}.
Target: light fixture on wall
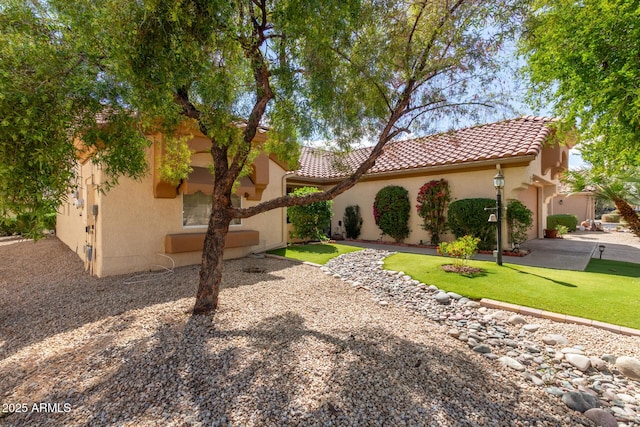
{"points": [[560, 201]]}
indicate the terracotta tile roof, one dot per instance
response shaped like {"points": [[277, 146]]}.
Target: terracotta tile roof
{"points": [[519, 137]]}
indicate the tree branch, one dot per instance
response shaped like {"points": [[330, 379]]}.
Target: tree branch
{"points": [[364, 72], [388, 133]]}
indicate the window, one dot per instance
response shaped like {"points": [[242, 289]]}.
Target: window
{"points": [[196, 209]]}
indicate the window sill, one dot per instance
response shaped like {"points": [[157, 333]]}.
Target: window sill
{"points": [[192, 242]]}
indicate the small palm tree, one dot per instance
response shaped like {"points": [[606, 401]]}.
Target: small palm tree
{"points": [[623, 190]]}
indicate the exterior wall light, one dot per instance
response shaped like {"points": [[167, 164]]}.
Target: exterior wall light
{"points": [[498, 184]]}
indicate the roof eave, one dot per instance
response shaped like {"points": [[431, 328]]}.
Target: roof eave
{"points": [[449, 166]]}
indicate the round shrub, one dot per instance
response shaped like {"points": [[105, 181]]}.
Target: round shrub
{"points": [[468, 217], [352, 221], [391, 212], [310, 222]]}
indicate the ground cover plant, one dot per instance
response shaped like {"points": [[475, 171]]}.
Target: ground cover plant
{"points": [[317, 253], [607, 291]]}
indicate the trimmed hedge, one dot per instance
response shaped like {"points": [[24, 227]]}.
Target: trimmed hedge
{"points": [[568, 220], [310, 222], [467, 217], [391, 210]]}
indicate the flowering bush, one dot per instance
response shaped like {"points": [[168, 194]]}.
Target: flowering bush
{"points": [[461, 250], [391, 210], [433, 199]]}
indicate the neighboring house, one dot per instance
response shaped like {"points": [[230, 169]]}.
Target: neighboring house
{"points": [[136, 225], [580, 204], [523, 148]]}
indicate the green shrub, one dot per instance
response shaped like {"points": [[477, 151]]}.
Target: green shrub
{"points": [[31, 224], [8, 226], [433, 199], [310, 222], [461, 250], [613, 216], [468, 217], [352, 221], [50, 221], [562, 229], [568, 220], [519, 220], [391, 210]]}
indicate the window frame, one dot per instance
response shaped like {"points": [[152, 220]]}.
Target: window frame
{"points": [[204, 226]]}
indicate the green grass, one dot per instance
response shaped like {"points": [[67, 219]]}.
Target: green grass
{"points": [[608, 292], [618, 268], [317, 253]]}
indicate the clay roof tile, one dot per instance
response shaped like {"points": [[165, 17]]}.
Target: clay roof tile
{"points": [[523, 136]]}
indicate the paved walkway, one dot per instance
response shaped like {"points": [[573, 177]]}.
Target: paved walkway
{"points": [[571, 253]]}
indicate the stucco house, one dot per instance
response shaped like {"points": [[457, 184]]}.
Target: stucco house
{"points": [[138, 224], [524, 149]]}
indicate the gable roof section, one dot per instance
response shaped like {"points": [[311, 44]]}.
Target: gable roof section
{"points": [[513, 138]]}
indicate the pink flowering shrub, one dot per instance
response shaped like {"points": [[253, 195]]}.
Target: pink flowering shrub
{"points": [[433, 199]]}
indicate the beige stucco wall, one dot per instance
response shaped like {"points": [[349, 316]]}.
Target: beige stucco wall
{"points": [[72, 219], [530, 198], [463, 184], [131, 225], [580, 204]]}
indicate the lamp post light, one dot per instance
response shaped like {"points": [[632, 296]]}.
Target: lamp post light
{"points": [[601, 249], [498, 184]]}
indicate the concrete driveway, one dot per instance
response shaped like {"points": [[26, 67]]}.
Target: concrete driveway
{"points": [[564, 254], [573, 252]]}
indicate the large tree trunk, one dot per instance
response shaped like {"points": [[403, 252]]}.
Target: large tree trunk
{"points": [[629, 215], [211, 268]]}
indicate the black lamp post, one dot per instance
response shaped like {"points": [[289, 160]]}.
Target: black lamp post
{"points": [[498, 184]]}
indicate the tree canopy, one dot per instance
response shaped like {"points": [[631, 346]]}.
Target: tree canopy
{"points": [[583, 60], [340, 69]]}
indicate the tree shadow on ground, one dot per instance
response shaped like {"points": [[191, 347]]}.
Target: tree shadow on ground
{"points": [[42, 299], [557, 282], [615, 268], [201, 374]]}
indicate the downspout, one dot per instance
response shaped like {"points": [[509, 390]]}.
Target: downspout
{"points": [[283, 240]]}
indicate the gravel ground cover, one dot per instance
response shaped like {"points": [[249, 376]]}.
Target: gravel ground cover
{"points": [[288, 346]]}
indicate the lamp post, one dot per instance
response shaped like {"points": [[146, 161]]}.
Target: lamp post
{"points": [[498, 184]]}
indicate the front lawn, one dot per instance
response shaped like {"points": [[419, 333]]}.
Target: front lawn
{"points": [[608, 292], [317, 253]]}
